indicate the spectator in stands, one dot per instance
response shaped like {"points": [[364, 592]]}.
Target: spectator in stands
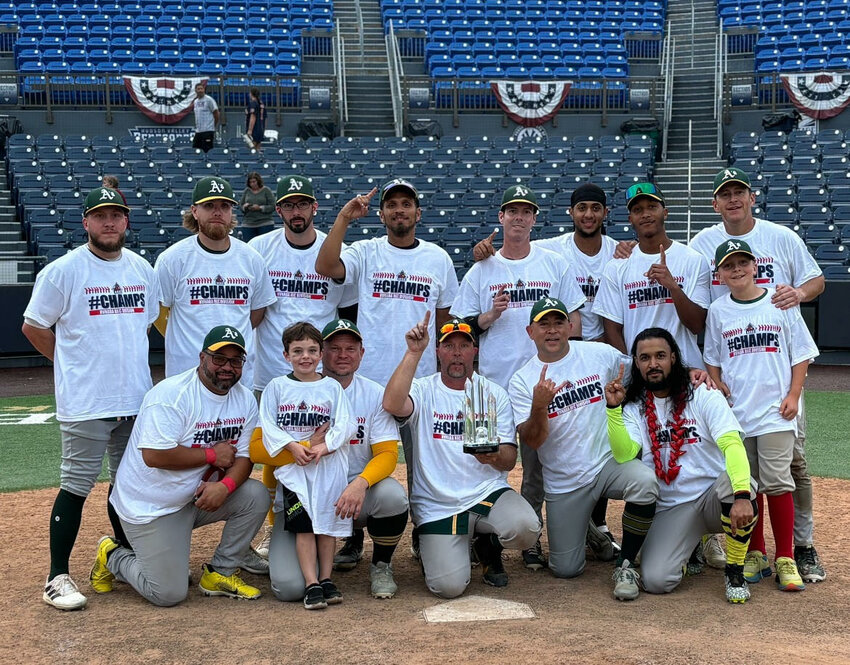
{"points": [[257, 204], [255, 118], [110, 181], [206, 118]]}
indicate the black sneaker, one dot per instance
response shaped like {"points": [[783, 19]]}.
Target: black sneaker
{"points": [[314, 598], [489, 551], [351, 552], [332, 595], [808, 564], [533, 557]]}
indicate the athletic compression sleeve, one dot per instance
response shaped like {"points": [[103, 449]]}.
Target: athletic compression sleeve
{"points": [[259, 454], [382, 464], [622, 446], [737, 464], [161, 322]]}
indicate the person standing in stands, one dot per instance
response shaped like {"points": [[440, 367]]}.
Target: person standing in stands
{"points": [[207, 117], [257, 204]]}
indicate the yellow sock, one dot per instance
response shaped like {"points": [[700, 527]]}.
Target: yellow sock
{"points": [[736, 545]]}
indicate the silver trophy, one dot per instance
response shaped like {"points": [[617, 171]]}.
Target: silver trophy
{"points": [[479, 420]]}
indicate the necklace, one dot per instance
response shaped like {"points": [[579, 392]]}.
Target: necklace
{"points": [[677, 436]]}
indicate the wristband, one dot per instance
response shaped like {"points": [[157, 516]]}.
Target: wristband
{"points": [[745, 495], [229, 483], [211, 456]]}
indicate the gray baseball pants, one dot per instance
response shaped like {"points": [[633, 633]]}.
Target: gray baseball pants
{"points": [[158, 565], [84, 444], [804, 522]]}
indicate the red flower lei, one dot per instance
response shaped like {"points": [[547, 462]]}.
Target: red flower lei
{"points": [[677, 435]]}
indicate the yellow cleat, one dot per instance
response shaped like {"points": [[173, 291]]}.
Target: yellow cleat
{"points": [[101, 578], [216, 584]]}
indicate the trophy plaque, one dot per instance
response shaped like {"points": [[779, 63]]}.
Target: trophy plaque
{"points": [[479, 420]]}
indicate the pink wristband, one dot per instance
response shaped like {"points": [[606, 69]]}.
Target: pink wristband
{"points": [[229, 483], [211, 456]]}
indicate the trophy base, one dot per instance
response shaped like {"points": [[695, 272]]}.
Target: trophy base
{"points": [[481, 449]]}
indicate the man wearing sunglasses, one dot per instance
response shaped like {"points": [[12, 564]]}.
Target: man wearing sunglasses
{"points": [[187, 466], [301, 294], [455, 495], [209, 278]]}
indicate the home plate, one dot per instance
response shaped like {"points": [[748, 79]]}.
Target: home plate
{"points": [[477, 608]]}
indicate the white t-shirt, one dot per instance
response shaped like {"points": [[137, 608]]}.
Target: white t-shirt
{"points": [[302, 295], [292, 410], [395, 288], [179, 411], [577, 446], [626, 296], [781, 255], [204, 119], [707, 417], [506, 346], [446, 480], [374, 425], [206, 289], [588, 272], [755, 345], [102, 310]]}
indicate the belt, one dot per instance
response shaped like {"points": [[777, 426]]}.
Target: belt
{"points": [[117, 419]]}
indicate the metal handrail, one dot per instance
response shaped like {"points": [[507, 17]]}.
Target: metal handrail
{"points": [[394, 65], [690, 177], [720, 64], [359, 13], [667, 71], [339, 72]]}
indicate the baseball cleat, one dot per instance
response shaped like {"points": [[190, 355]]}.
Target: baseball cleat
{"points": [[332, 595], [351, 552], [262, 549], [808, 564], [533, 557], [787, 576], [215, 584], [695, 564], [737, 589], [100, 577], [254, 563], [489, 551], [63, 594], [314, 598], [599, 543], [381, 577], [626, 582], [712, 551], [756, 567]]}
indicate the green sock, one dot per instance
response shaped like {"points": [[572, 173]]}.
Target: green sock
{"points": [[385, 533], [65, 521]]}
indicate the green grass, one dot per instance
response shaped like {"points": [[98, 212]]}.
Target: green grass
{"points": [[30, 454]]}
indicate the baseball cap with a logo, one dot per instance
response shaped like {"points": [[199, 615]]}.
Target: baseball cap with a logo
{"points": [[102, 197], [211, 188], [340, 326], [646, 189], [453, 326], [222, 336], [519, 193], [545, 305], [398, 183], [729, 247], [294, 185], [728, 175]]}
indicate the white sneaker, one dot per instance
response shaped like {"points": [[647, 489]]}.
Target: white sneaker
{"points": [[63, 594], [263, 548], [254, 563], [626, 581], [712, 551]]}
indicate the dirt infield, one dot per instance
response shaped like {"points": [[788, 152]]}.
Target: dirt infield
{"points": [[577, 621]]}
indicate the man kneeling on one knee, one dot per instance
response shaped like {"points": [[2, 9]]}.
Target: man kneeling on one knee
{"points": [[186, 465], [457, 496]]}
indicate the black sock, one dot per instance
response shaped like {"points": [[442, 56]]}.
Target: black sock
{"points": [[118, 531], [599, 511], [385, 533], [65, 521], [637, 519]]}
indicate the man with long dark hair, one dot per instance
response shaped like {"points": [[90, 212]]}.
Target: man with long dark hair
{"points": [[690, 438]]}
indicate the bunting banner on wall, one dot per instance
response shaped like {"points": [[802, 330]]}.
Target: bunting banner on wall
{"points": [[819, 95], [530, 103], [163, 100]]}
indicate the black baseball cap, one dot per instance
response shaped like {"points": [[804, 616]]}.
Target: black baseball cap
{"points": [[398, 183]]}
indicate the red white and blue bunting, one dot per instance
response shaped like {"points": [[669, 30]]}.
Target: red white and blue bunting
{"points": [[530, 103], [163, 100], [819, 95]]}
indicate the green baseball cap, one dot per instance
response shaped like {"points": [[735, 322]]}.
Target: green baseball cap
{"points": [[222, 336], [546, 305], [646, 189], [211, 188], [102, 197], [398, 183], [294, 185], [341, 326], [728, 175], [729, 247], [519, 193]]}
